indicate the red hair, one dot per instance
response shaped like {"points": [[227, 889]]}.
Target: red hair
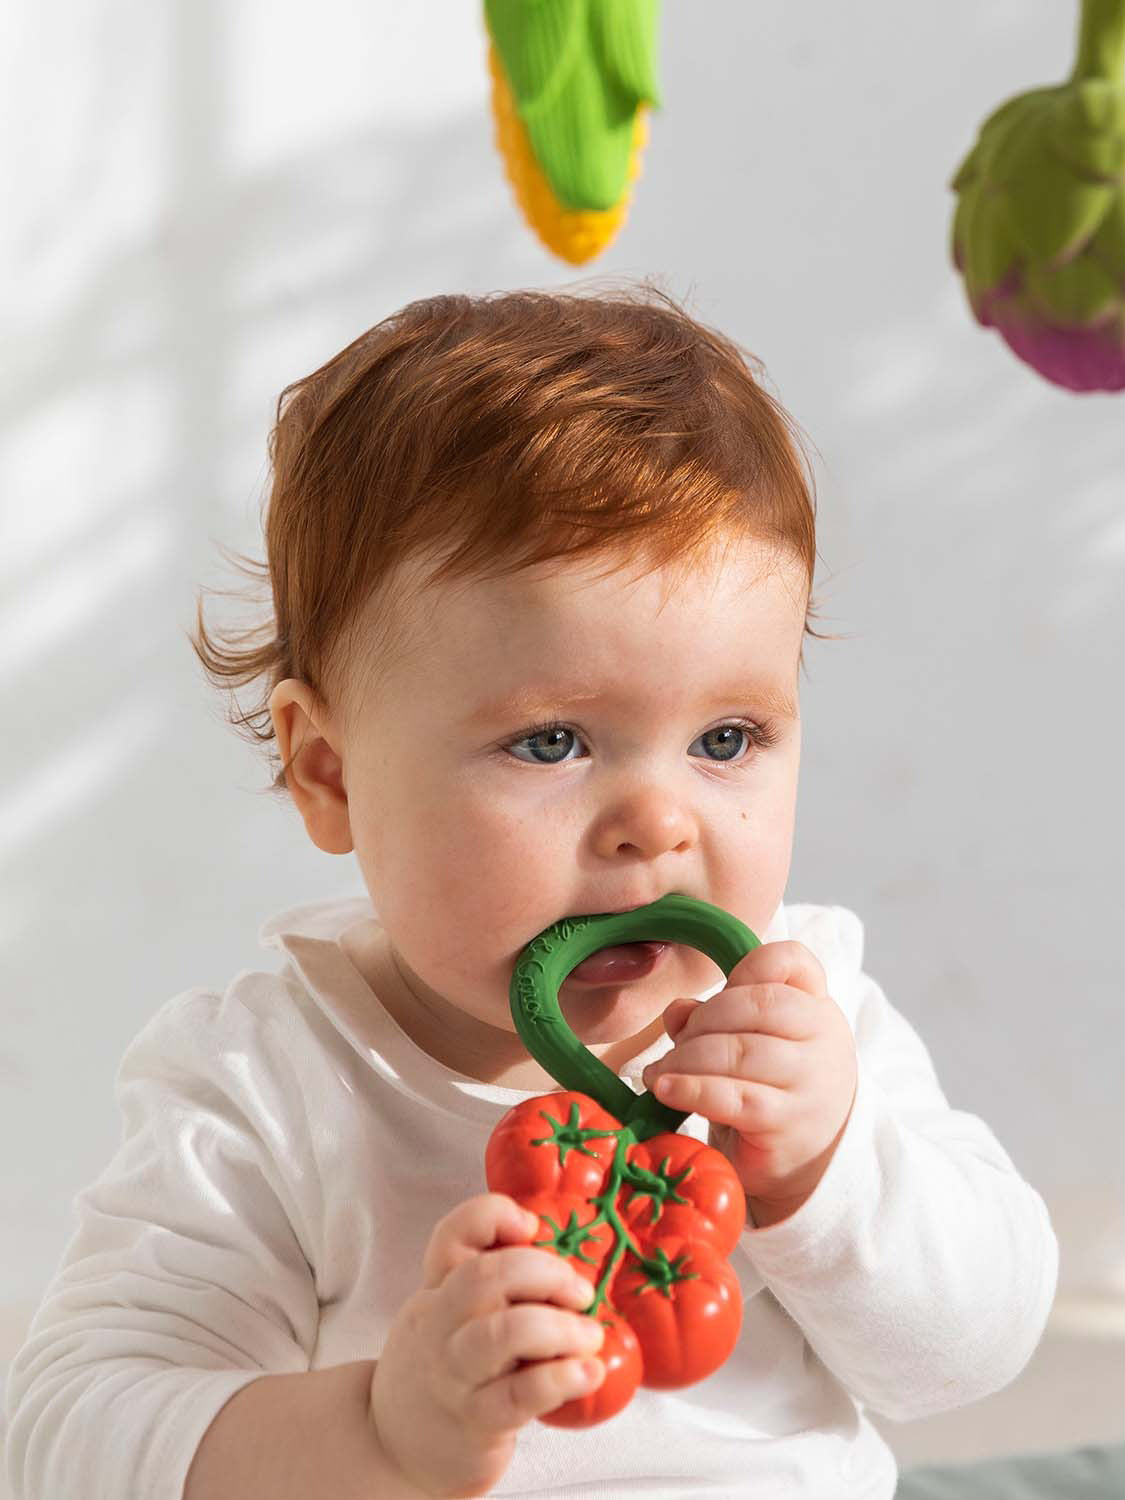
{"points": [[502, 432]]}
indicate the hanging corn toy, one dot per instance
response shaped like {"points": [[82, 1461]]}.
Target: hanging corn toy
{"points": [[572, 83]]}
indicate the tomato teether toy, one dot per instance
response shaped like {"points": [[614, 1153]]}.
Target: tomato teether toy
{"points": [[647, 1215]]}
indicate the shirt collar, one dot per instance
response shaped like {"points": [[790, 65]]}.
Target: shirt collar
{"points": [[309, 933]]}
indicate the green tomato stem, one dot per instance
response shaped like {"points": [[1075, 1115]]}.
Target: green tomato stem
{"points": [[658, 1270], [1101, 41]]}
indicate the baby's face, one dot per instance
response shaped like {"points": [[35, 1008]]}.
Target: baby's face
{"points": [[473, 833]]}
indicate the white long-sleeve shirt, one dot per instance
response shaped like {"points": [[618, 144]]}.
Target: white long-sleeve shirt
{"points": [[287, 1150]]}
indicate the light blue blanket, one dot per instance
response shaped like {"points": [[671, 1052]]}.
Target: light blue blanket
{"points": [[1093, 1473]]}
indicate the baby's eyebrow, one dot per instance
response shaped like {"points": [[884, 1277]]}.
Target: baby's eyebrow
{"points": [[535, 703]]}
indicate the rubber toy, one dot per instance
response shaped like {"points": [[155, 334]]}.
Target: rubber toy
{"points": [[647, 1215], [1039, 228], [572, 81]]}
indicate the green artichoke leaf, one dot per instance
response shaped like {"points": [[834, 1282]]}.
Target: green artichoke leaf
{"points": [[1051, 210], [957, 232], [987, 247], [1108, 245], [1017, 104], [968, 171], [1003, 136], [1078, 293], [1087, 129], [992, 131], [1099, 103]]}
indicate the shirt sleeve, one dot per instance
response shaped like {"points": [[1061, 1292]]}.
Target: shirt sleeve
{"points": [[184, 1280], [923, 1267]]}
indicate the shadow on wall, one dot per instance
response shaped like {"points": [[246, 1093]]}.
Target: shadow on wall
{"points": [[125, 408], [141, 386]]}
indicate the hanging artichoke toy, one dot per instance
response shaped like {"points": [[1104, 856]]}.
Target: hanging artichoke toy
{"points": [[1039, 228], [647, 1215], [572, 82]]}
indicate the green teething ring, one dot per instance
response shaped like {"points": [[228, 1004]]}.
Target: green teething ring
{"points": [[550, 957]]}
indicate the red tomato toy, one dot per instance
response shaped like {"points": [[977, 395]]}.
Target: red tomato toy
{"points": [[650, 1223], [648, 1215]]}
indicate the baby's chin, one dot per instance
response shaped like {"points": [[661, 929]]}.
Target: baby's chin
{"points": [[600, 1015]]}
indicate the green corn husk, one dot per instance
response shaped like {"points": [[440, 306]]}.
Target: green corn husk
{"points": [[578, 70]]}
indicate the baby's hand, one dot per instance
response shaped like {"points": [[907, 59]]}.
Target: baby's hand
{"points": [[771, 1060], [448, 1396]]}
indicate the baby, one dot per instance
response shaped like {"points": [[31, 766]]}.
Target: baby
{"points": [[541, 567]]}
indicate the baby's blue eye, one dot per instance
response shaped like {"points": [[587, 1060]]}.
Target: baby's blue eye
{"points": [[760, 735]]}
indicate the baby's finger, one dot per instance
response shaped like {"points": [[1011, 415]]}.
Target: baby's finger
{"points": [[772, 1009], [475, 1225], [497, 1278], [513, 1400], [752, 1108], [751, 1056], [786, 963], [485, 1348]]}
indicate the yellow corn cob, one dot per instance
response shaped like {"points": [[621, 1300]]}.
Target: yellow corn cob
{"points": [[575, 235]]}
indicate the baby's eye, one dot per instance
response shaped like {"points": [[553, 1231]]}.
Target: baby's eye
{"points": [[724, 739]]}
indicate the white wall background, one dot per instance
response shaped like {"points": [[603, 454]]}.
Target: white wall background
{"points": [[204, 201]]}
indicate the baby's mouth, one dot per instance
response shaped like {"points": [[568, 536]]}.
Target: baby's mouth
{"points": [[619, 963]]}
